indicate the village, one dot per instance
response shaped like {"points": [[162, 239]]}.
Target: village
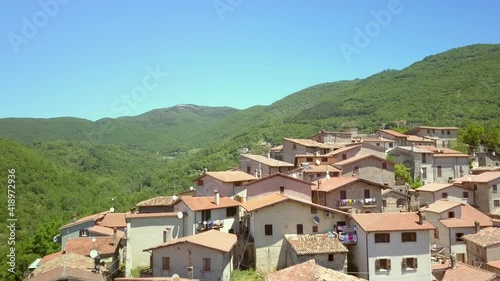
{"points": [[328, 207]]}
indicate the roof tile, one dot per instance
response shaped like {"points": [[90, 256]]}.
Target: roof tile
{"points": [[377, 222], [213, 239], [485, 237], [311, 244], [208, 203]]}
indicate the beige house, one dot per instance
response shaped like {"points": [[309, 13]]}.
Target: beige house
{"points": [[453, 220], [293, 147], [330, 137], [346, 193], [293, 187], [261, 166], [146, 230], [459, 271], [227, 183], [483, 247], [269, 218], [205, 256], [485, 187], [395, 201], [326, 250], [399, 138], [385, 143], [443, 135], [392, 246], [433, 192], [209, 212], [368, 167]]}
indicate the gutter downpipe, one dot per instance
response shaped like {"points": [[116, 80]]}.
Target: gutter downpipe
{"points": [[367, 256]]}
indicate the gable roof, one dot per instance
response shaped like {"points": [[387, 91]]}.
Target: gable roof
{"points": [[486, 237], [321, 168], [384, 222], [343, 149], [309, 271], [66, 266], [465, 272], [337, 182], [313, 143], [416, 129], [201, 203], [50, 257], [358, 158], [469, 215], [163, 201], [393, 133], [434, 187], [106, 231], [228, 176], [93, 217], [149, 215], [386, 191], [275, 198], [277, 175], [312, 244], [113, 220], [83, 245], [267, 161], [212, 239], [440, 206], [412, 138], [481, 178]]}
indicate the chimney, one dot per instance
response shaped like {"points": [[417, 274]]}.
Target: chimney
{"points": [[453, 260], [477, 226], [217, 197], [282, 189], [114, 237], [190, 272], [421, 217], [268, 155], [73, 216]]}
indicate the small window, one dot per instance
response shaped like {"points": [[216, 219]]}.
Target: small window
{"points": [[475, 186], [382, 265], [330, 257], [465, 194], [314, 210], [409, 236], [424, 158], [315, 229], [309, 159], [458, 236], [382, 238], [344, 156], [496, 203], [84, 232], [200, 183], [166, 263], [231, 211], [451, 215], [231, 230], [294, 146], [378, 144], [238, 183], [442, 132], [439, 171], [300, 229], [356, 170], [206, 215], [424, 173], [448, 132], [410, 264], [324, 159], [268, 229], [436, 233], [444, 195], [343, 195], [367, 193], [494, 188], [384, 165], [206, 265], [400, 202], [390, 145], [384, 203]]}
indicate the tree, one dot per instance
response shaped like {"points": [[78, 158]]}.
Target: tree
{"points": [[472, 135], [402, 173]]}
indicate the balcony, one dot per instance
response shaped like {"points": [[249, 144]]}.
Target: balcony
{"points": [[346, 235], [207, 225], [349, 203]]}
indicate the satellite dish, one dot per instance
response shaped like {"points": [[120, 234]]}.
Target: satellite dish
{"points": [[93, 240], [174, 197], [294, 176], [112, 210], [316, 219], [180, 215], [191, 188], [56, 238], [318, 162], [176, 277], [327, 176], [93, 254]]}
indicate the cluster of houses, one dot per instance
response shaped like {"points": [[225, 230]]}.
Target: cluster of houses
{"points": [[328, 207]]}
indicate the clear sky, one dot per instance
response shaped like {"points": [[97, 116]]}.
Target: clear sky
{"points": [[95, 59]]}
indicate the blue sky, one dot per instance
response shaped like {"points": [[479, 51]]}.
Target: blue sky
{"points": [[95, 59]]}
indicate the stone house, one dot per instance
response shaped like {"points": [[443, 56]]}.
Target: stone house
{"points": [[485, 188], [395, 201], [433, 192], [227, 183], [483, 247], [261, 166], [368, 167]]}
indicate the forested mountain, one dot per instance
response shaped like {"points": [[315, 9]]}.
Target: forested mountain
{"points": [[66, 165]]}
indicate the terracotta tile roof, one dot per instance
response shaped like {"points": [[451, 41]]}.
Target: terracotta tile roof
{"points": [[153, 279], [439, 155], [63, 274], [322, 168], [465, 272], [468, 216], [413, 138], [50, 257], [436, 128], [386, 192], [208, 203], [495, 264], [343, 149], [440, 206], [485, 237], [433, 187], [149, 215], [313, 143], [113, 220], [275, 198], [102, 230], [267, 161], [166, 201], [229, 176], [277, 175], [277, 148], [93, 217], [83, 246], [213, 239], [333, 183], [376, 139], [414, 149], [359, 158], [55, 268], [393, 133], [377, 222], [481, 178], [309, 271], [311, 244]]}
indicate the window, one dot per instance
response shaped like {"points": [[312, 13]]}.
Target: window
{"points": [[382, 264], [424, 158], [300, 229], [428, 131], [494, 188], [84, 232], [382, 238], [249, 170], [409, 237], [442, 132], [355, 170], [330, 257], [344, 156], [206, 264], [496, 203], [390, 145], [384, 203], [424, 173], [199, 182], [458, 236], [268, 229], [309, 159], [314, 210], [238, 183], [166, 263], [165, 236], [378, 144], [400, 202], [475, 186], [409, 263], [465, 194], [436, 233], [448, 132], [439, 172], [231, 211], [451, 215], [315, 229], [231, 230], [343, 195], [324, 159], [294, 146], [461, 257], [367, 193], [444, 195], [206, 215], [384, 165]]}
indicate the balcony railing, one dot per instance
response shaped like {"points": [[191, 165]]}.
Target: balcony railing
{"points": [[207, 225], [359, 202], [346, 235]]}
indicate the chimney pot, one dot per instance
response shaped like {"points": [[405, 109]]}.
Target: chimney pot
{"points": [[453, 260], [421, 217], [114, 237], [217, 197], [477, 226], [282, 189]]}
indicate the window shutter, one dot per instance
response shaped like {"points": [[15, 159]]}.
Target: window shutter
{"points": [[377, 265], [416, 263], [404, 264], [388, 264]]}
